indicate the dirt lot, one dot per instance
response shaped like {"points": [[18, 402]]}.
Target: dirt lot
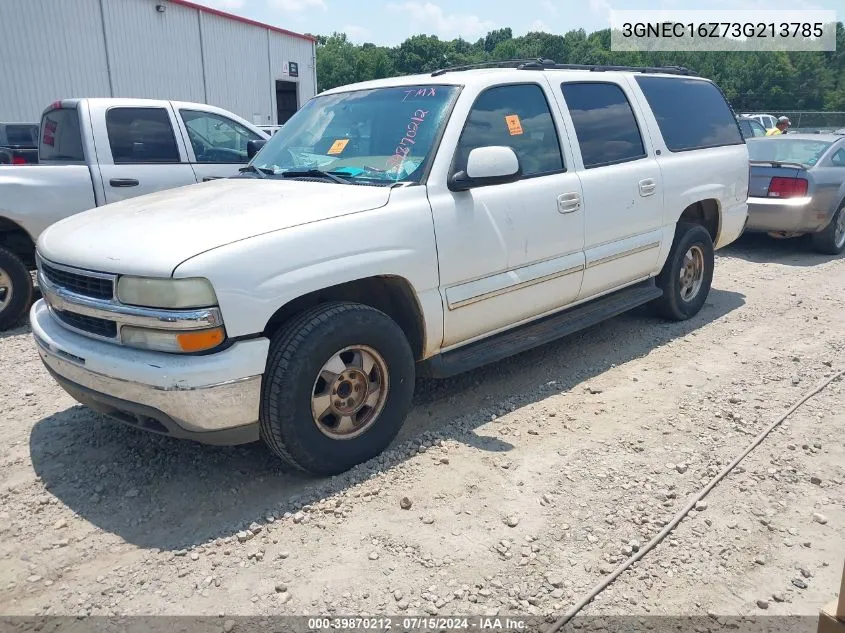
{"points": [[528, 481]]}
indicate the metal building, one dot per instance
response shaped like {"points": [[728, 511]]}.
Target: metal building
{"points": [[156, 49]]}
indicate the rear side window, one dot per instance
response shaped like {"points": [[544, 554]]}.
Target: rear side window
{"points": [[751, 128], [61, 138], [691, 113], [518, 117], [141, 135], [604, 123]]}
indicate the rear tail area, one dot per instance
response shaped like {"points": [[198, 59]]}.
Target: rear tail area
{"points": [[771, 179]]}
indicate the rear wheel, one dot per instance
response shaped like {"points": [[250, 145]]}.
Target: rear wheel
{"points": [[337, 389], [831, 240], [15, 289], [686, 275]]}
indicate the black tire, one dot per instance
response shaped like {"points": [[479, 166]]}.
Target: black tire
{"points": [[673, 305], [297, 355], [19, 291], [825, 241]]}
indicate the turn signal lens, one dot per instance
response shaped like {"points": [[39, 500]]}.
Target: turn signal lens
{"points": [[173, 342], [201, 340]]}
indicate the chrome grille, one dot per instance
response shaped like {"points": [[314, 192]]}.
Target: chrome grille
{"points": [[84, 285], [92, 325], [84, 301]]}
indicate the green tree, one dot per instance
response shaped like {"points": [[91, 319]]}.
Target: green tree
{"points": [[774, 81]]}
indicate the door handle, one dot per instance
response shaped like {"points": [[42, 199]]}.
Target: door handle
{"points": [[124, 182], [568, 202], [647, 186]]}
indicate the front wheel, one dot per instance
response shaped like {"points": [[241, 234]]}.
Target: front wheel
{"points": [[687, 274], [831, 239], [15, 289], [337, 389]]}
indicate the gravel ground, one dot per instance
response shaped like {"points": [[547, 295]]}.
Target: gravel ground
{"points": [[512, 490]]}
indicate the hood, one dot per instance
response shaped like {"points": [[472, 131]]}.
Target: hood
{"points": [[152, 234]]}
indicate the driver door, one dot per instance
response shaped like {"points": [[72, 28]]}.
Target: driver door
{"points": [[216, 144]]}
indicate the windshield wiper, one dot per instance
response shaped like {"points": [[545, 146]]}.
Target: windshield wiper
{"points": [[314, 173], [261, 171]]}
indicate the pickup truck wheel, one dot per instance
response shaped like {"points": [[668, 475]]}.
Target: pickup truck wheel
{"points": [[15, 289], [831, 239], [337, 389], [686, 275]]}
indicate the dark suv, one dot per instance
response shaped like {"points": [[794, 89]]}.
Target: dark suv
{"points": [[18, 143]]}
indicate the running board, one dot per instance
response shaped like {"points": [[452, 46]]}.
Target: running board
{"points": [[537, 333]]}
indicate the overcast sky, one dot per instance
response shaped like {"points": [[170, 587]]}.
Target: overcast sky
{"points": [[389, 22]]}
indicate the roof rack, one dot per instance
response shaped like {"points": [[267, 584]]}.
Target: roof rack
{"points": [[547, 64], [502, 63]]}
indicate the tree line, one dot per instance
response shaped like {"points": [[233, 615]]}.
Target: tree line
{"points": [[752, 81]]}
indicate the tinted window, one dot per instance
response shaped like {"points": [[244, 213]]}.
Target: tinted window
{"points": [[22, 135], [141, 135], [757, 129], [691, 113], [61, 138], [838, 158], [751, 128], [604, 123], [517, 117], [217, 139]]}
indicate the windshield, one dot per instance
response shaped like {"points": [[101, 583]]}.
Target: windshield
{"points": [[787, 150], [377, 136]]}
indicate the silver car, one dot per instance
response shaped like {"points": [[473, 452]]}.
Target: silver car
{"points": [[797, 186]]}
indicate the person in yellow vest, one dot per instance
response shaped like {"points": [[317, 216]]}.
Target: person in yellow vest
{"points": [[780, 128]]}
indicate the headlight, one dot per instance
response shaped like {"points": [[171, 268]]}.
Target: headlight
{"points": [[149, 292], [171, 341]]}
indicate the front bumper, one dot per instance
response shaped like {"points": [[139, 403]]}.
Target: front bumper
{"points": [[213, 398], [791, 215]]}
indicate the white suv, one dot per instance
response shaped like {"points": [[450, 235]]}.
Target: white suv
{"points": [[768, 121], [420, 225]]}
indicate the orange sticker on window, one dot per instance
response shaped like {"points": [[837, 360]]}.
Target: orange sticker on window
{"points": [[514, 124], [338, 145]]}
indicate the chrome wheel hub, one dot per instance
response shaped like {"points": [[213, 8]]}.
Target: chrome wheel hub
{"points": [[692, 273], [350, 392], [5, 289]]}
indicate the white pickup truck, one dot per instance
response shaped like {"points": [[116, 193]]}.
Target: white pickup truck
{"points": [[98, 151], [421, 225]]}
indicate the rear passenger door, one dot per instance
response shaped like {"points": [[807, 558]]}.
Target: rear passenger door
{"points": [[216, 144], [138, 153], [621, 182]]}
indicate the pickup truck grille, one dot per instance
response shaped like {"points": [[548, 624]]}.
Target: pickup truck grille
{"points": [[80, 284], [92, 325]]}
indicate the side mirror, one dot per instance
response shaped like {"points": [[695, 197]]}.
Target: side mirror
{"points": [[253, 146], [491, 165]]}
